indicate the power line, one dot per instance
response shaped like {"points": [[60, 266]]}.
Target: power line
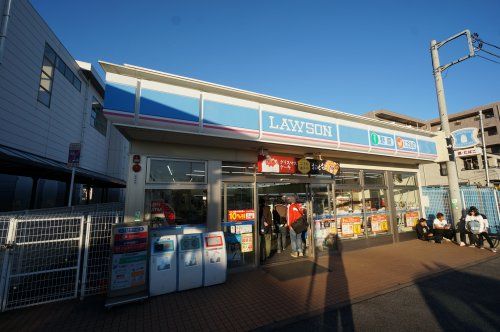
{"points": [[495, 46], [485, 58], [490, 53]]}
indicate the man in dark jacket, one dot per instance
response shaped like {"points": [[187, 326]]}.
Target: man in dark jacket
{"points": [[423, 232], [266, 227]]}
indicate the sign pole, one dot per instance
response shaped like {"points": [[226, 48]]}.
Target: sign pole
{"points": [[71, 186], [485, 156]]}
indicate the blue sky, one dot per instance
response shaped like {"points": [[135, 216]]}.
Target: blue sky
{"points": [[351, 56]]}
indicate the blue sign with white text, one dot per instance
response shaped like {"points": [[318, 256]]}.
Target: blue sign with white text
{"points": [[465, 138], [295, 126]]}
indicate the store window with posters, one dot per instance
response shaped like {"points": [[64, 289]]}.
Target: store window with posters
{"points": [[238, 223], [407, 201], [349, 210], [376, 211]]}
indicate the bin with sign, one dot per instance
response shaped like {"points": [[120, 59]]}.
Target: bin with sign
{"points": [[215, 258], [190, 265], [163, 263]]}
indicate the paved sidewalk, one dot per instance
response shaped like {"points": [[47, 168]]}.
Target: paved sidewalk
{"points": [[258, 298]]}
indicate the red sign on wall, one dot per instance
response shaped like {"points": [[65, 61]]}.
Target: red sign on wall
{"points": [[277, 164], [240, 215]]}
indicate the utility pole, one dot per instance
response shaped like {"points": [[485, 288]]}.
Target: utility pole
{"points": [[456, 203], [485, 156]]}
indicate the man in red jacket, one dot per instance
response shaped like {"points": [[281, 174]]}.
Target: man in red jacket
{"points": [[295, 212]]}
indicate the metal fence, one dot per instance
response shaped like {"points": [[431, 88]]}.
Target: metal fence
{"points": [[437, 199], [47, 258]]}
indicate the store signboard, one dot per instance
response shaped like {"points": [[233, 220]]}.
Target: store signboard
{"points": [[468, 152], [246, 242], [350, 226], [74, 154], [406, 144], [277, 164], [379, 223], [129, 258], [465, 138], [382, 140], [240, 215], [411, 218]]}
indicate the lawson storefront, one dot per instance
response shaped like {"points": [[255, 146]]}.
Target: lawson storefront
{"points": [[206, 156]]}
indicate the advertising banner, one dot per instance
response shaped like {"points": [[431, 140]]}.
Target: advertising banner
{"points": [[351, 226], [411, 218], [129, 258], [240, 215], [379, 223], [246, 242], [465, 138], [468, 152], [277, 164]]}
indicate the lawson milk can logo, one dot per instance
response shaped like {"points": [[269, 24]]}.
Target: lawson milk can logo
{"points": [[465, 138]]}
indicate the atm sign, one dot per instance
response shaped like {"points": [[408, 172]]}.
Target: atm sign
{"points": [[240, 215]]}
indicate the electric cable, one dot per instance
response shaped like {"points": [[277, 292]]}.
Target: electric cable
{"points": [[490, 53], [483, 57]]}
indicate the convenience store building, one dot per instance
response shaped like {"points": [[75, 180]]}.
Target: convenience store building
{"points": [[202, 155]]}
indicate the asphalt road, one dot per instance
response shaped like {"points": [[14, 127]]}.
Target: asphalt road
{"points": [[463, 300]]}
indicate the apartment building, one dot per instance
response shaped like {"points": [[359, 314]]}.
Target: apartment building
{"points": [[48, 100], [471, 168]]}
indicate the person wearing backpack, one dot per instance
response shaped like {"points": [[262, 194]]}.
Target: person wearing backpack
{"points": [[483, 234], [296, 217], [473, 222]]}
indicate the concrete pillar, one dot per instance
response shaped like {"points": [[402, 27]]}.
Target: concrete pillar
{"points": [[214, 199]]}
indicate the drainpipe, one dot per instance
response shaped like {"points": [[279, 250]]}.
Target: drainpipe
{"points": [[3, 27]]}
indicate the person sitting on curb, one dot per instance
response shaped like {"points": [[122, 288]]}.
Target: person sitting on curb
{"points": [[442, 230], [473, 225], [423, 232]]}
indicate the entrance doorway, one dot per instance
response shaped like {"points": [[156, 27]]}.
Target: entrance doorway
{"points": [[274, 240]]}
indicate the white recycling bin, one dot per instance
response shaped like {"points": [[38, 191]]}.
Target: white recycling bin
{"points": [[163, 263], [215, 260], [190, 267]]}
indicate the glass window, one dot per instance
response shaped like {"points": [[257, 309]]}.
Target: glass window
{"points": [[377, 214], [97, 119], [50, 54], [44, 96], [176, 171], [349, 209], [374, 178], [50, 193], [47, 67], [407, 203], [77, 84], [239, 222], [347, 177], [443, 169], [45, 81], [69, 75], [404, 179], [15, 193], [61, 66], [176, 206]]}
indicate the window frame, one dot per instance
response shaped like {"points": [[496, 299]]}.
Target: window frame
{"points": [[156, 185], [94, 116]]}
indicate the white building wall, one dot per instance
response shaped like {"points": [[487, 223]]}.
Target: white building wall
{"points": [[31, 126]]}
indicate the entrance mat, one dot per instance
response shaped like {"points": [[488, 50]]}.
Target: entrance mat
{"points": [[295, 270]]}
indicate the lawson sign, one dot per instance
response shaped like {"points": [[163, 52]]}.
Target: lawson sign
{"points": [[465, 138]]}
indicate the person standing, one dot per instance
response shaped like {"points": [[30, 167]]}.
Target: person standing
{"points": [[294, 213], [266, 226], [279, 219]]}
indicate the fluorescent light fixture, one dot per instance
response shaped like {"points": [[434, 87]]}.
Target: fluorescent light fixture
{"points": [[169, 170]]}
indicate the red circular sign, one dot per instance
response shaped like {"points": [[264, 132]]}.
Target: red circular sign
{"points": [[136, 168]]}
